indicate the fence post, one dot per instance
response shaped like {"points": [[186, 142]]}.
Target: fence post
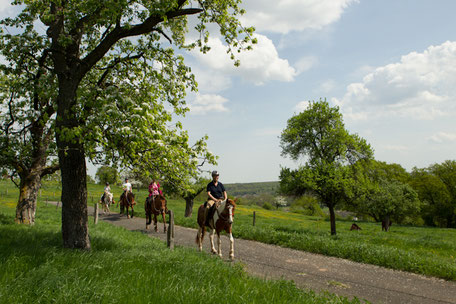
{"points": [[254, 218], [170, 235], [96, 214], [57, 205]]}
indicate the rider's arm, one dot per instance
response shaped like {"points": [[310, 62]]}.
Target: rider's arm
{"points": [[210, 196], [224, 193]]}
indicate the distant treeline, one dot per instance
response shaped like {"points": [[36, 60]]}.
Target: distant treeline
{"points": [[243, 189]]}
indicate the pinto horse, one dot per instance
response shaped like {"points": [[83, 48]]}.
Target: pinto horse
{"points": [[127, 201], [222, 220], [155, 206], [107, 201]]}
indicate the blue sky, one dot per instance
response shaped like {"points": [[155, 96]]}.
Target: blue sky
{"points": [[389, 65]]}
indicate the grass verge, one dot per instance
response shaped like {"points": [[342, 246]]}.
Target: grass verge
{"points": [[123, 267]]}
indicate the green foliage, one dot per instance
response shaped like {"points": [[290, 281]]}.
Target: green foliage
{"points": [[106, 174], [436, 187], [33, 268], [267, 206], [307, 205]]}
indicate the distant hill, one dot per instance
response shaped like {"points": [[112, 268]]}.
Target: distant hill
{"points": [[240, 189]]}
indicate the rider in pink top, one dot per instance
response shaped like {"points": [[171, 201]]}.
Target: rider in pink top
{"points": [[154, 188]]}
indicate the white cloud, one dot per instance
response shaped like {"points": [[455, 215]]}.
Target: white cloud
{"points": [[205, 103], [421, 86], [284, 16], [258, 66], [301, 106], [305, 63], [443, 137]]}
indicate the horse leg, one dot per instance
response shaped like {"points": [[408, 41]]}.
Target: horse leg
{"points": [[128, 213], [148, 220], [132, 211], [199, 240], [211, 238], [155, 222], [219, 244], [231, 246], [164, 220]]}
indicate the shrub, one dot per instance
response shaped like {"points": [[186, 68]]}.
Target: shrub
{"points": [[267, 206], [307, 205]]}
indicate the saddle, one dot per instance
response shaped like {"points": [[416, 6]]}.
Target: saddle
{"points": [[211, 214]]}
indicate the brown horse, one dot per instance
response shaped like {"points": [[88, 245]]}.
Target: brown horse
{"points": [[155, 206], [127, 201], [222, 220]]}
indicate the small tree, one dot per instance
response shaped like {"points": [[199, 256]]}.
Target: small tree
{"points": [[106, 174], [330, 152], [391, 200]]}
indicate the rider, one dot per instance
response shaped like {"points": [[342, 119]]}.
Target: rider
{"points": [[154, 189], [126, 188], [106, 191], [216, 193]]}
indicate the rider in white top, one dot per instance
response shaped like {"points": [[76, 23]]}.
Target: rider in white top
{"points": [[126, 186]]}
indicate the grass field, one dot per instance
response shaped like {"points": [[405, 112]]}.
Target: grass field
{"points": [[423, 250], [122, 267]]}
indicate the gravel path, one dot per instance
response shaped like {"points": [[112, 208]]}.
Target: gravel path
{"points": [[314, 271]]}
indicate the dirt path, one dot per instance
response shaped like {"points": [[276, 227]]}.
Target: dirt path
{"points": [[313, 271]]}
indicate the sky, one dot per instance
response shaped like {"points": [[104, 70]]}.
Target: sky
{"points": [[389, 65]]}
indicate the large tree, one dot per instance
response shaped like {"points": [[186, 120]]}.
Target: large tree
{"points": [[89, 39], [27, 112], [318, 136]]}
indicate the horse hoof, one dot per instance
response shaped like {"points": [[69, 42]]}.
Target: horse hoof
{"points": [[220, 255], [128, 216], [232, 257]]}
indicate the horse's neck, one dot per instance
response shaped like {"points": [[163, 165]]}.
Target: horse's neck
{"points": [[221, 207]]}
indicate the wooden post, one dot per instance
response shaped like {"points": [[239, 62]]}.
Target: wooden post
{"points": [[254, 218], [95, 216], [170, 235], [57, 205]]}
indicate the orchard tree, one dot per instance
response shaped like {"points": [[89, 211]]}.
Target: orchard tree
{"points": [[107, 174], [391, 200], [318, 136], [27, 111], [113, 78]]}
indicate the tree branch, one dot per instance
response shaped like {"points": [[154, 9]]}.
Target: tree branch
{"points": [[123, 32]]}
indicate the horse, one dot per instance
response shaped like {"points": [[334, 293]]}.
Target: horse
{"points": [[127, 201], [106, 202], [155, 206], [221, 220]]}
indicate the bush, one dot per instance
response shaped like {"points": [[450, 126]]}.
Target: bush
{"points": [[307, 205], [267, 206]]}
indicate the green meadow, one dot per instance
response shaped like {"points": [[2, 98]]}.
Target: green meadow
{"points": [[122, 267], [423, 250]]}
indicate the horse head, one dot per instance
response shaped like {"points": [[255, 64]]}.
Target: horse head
{"points": [[230, 207]]}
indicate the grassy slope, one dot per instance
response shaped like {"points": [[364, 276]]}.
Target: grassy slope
{"points": [[122, 267], [424, 250]]}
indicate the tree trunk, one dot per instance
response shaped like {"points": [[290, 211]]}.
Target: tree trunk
{"points": [[28, 192], [386, 223], [75, 230], [188, 206], [332, 219]]}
